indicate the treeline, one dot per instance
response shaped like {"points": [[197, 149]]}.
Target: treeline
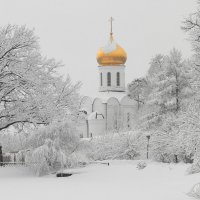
{"points": [[38, 106], [168, 101], [31, 90]]}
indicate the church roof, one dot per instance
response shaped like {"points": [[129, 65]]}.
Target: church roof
{"points": [[111, 54]]}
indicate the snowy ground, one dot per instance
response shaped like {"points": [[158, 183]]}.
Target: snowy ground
{"points": [[121, 180]]}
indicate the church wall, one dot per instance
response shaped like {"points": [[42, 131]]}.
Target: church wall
{"points": [[113, 108], [99, 107], [112, 101], [82, 128], [127, 101], [86, 104], [97, 127], [120, 115]]}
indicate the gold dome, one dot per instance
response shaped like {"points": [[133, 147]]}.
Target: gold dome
{"points": [[111, 54]]}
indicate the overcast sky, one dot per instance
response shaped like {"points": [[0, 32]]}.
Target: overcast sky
{"points": [[73, 30]]}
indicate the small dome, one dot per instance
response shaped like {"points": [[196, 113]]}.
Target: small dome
{"points": [[111, 54]]}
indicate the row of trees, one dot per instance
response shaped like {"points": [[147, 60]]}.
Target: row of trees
{"points": [[35, 99], [31, 91], [168, 100], [38, 107]]}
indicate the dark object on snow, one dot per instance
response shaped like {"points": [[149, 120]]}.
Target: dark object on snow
{"points": [[63, 174]]}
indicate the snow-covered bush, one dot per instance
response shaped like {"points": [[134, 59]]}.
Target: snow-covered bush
{"points": [[115, 146], [195, 191], [46, 158], [178, 138], [77, 159], [188, 137], [65, 133], [162, 147], [141, 165], [55, 147], [11, 141], [195, 167], [167, 145]]}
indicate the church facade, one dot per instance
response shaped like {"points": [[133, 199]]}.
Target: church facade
{"points": [[111, 109]]}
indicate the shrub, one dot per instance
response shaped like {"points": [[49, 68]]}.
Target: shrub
{"points": [[76, 159], [141, 165], [114, 146], [195, 167], [55, 147], [65, 133], [46, 158], [195, 191]]}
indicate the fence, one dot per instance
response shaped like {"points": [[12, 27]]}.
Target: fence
{"points": [[15, 158], [17, 164]]}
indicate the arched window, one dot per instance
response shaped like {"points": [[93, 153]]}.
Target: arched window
{"points": [[108, 79], [101, 79], [118, 79]]}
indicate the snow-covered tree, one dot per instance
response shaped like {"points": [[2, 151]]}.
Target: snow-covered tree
{"points": [[137, 90], [189, 137], [191, 25], [171, 85], [55, 146], [156, 66], [164, 146], [170, 80], [116, 146], [170, 88], [65, 132], [31, 91], [46, 158]]}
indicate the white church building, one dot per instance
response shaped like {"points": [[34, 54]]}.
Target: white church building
{"points": [[111, 109]]}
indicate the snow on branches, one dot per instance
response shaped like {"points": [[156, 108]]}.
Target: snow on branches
{"points": [[30, 89], [138, 90], [170, 87]]}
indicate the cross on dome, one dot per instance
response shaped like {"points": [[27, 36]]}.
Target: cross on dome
{"points": [[111, 54], [111, 27]]}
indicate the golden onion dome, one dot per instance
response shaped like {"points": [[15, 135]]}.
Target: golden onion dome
{"points": [[111, 54]]}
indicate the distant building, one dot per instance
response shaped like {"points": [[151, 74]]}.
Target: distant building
{"points": [[111, 109]]}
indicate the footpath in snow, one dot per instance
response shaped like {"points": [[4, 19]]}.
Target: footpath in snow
{"points": [[121, 180]]}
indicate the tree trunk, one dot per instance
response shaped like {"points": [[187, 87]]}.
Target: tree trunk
{"points": [[138, 102], [1, 156], [177, 94], [177, 99]]}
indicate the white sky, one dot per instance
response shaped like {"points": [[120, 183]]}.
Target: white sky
{"points": [[73, 30]]}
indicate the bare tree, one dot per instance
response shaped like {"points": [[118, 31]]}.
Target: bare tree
{"points": [[30, 89], [191, 25], [137, 90]]}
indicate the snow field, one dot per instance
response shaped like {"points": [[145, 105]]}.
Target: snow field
{"points": [[120, 180]]}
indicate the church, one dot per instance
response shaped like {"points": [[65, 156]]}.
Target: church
{"points": [[111, 110]]}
